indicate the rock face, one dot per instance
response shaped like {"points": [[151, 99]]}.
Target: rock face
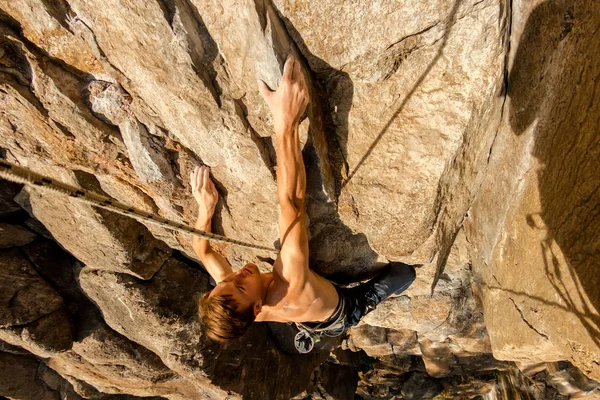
{"points": [[462, 136], [534, 226]]}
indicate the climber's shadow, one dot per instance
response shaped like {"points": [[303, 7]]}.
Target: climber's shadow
{"points": [[552, 86]]}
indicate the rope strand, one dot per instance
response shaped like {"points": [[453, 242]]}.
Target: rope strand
{"points": [[25, 176]]}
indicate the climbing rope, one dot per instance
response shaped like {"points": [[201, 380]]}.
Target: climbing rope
{"points": [[25, 176]]}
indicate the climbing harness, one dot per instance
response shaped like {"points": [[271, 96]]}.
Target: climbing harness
{"points": [[311, 333], [25, 176]]}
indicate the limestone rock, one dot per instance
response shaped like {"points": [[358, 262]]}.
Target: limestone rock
{"points": [[40, 25], [395, 134], [424, 117], [161, 315], [438, 358], [110, 363], [123, 244], [446, 314], [19, 379], [534, 226], [184, 104], [14, 235], [149, 163], [378, 341], [25, 296]]}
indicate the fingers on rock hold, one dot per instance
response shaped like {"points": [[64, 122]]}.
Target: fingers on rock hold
{"points": [[288, 68], [206, 178]]}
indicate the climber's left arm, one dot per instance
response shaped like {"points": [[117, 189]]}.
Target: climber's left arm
{"points": [[206, 196]]}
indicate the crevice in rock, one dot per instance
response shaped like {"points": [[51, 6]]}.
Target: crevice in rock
{"points": [[264, 145], [525, 320], [519, 310], [25, 92], [422, 31], [443, 185], [261, 12], [61, 11], [508, 21], [13, 28], [328, 109], [188, 26], [89, 37], [64, 129]]}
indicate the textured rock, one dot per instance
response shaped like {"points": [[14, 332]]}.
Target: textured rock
{"points": [[50, 334], [14, 235], [420, 386], [112, 364], [25, 297], [45, 24], [534, 227], [149, 163], [122, 244], [184, 104], [161, 315], [377, 341], [422, 116], [20, 381], [402, 96], [453, 310]]}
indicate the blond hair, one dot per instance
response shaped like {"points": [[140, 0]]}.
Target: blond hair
{"points": [[222, 318]]}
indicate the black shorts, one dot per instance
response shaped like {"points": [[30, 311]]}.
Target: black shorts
{"points": [[354, 303]]}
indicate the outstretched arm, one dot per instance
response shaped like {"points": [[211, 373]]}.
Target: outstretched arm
{"points": [[287, 105], [206, 196]]}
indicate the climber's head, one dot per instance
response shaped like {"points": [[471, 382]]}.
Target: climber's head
{"points": [[230, 308]]}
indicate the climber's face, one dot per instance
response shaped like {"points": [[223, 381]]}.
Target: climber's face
{"points": [[245, 286]]}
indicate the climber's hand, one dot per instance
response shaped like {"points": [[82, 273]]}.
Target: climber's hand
{"points": [[288, 103], [204, 192]]}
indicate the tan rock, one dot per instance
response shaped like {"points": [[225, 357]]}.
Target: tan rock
{"points": [[438, 358], [403, 102], [123, 243], [534, 226], [40, 25], [112, 364], [185, 105]]}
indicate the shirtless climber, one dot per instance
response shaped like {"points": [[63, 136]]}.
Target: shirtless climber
{"points": [[292, 292]]}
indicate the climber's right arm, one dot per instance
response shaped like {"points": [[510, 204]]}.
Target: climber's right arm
{"points": [[206, 196], [287, 105]]}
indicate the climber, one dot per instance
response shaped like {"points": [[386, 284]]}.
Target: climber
{"points": [[292, 292]]}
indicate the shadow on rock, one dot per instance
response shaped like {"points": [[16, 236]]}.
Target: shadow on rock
{"points": [[553, 87]]}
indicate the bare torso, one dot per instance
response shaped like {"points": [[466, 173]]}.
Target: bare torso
{"points": [[315, 301]]}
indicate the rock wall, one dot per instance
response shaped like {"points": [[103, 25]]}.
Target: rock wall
{"points": [[458, 135], [534, 225]]}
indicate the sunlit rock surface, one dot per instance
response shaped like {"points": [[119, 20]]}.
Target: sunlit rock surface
{"points": [[461, 136]]}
